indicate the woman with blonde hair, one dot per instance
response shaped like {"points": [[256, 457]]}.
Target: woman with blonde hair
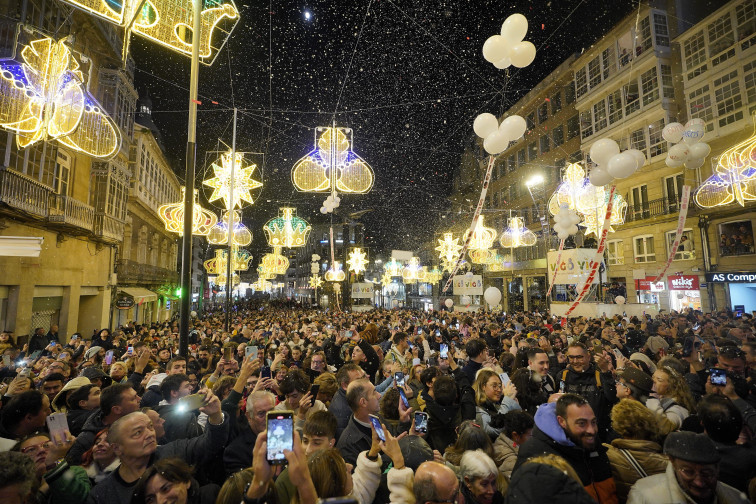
{"points": [[672, 402], [492, 400]]}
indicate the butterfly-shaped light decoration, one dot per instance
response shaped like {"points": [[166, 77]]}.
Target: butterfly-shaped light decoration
{"points": [[587, 200], [332, 166], [357, 261], [448, 248], [335, 274], [218, 234], [316, 281], [172, 215], [517, 235], [287, 230], [169, 22], [482, 238], [242, 182], [45, 98], [734, 178]]}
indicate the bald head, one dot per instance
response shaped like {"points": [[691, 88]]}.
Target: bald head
{"points": [[435, 482]]}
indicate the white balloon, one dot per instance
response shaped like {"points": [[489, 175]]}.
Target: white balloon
{"points": [[638, 155], [514, 28], [673, 132], [693, 122], [563, 235], [514, 126], [678, 152], [694, 133], [619, 300], [449, 303], [602, 150], [495, 48], [492, 295], [496, 142], [599, 177], [575, 218], [503, 63], [693, 163], [522, 54], [673, 163], [323, 210], [573, 230], [485, 124], [699, 150], [193, 314], [465, 300], [622, 165], [313, 268]]}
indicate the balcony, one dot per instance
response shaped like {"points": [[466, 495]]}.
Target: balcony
{"points": [[145, 274], [650, 209], [22, 193], [108, 228], [72, 212]]}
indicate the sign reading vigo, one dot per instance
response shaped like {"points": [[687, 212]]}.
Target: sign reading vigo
{"points": [[573, 267], [465, 285], [362, 290]]}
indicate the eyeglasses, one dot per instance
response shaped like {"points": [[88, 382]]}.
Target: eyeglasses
{"points": [[34, 449], [576, 357], [690, 473]]}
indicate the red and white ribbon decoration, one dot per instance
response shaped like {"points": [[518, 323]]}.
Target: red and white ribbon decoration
{"points": [[678, 235], [556, 270], [478, 209], [599, 254]]}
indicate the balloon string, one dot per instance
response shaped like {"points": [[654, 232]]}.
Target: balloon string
{"points": [[678, 234]]}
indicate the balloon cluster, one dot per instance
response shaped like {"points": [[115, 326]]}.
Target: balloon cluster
{"points": [[566, 222], [508, 48], [689, 149], [314, 266], [613, 164], [496, 137], [331, 202]]}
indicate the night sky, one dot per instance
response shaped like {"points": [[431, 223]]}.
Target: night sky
{"points": [[408, 77]]}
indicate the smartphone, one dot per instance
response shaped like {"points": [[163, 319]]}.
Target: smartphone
{"points": [[561, 387], [75, 336], [378, 428], [53, 343], [504, 379], [265, 372], [250, 350], [191, 402], [280, 435], [444, 351], [617, 353], [696, 327], [443, 322], [420, 330], [228, 353], [57, 425], [130, 350], [421, 421], [26, 372], [314, 393], [403, 396], [457, 325], [718, 377], [35, 354], [399, 377], [109, 357], [438, 333]]}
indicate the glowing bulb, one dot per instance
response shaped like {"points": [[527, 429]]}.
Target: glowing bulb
{"points": [[307, 15]]}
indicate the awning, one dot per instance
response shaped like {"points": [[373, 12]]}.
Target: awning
{"points": [[20, 246], [139, 294]]}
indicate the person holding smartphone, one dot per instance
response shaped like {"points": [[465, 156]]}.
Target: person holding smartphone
{"points": [[295, 387]]}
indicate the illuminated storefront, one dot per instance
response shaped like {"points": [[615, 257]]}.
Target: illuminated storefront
{"points": [[684, 292]]}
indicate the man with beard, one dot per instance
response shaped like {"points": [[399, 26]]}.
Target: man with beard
{"points": [[568, 428], [534, 384]]}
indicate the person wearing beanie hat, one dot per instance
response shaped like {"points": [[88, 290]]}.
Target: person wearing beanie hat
{"points": [[93, 352], [692, 475]]}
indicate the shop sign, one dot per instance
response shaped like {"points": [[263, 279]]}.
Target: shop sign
{"points": [[742, 277], [124, 303], [468, 285], [573, 268], [648, 284], [682, 282], [362, 290]]}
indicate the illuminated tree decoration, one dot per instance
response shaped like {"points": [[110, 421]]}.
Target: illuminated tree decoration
{"points": [[332, 166], [172, 215], [517, 235], [275, 262], [287, 230], [734, 178], [316, 281], [413, 272], [448, 248], [218, 235], [393, 267], [45, 98], [169, 22], [242, 182], [335, 274], [357, 261], [482, 238], [588, 201]]}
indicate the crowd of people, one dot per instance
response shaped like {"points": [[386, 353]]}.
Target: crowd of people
{"points": [[291, 404]]}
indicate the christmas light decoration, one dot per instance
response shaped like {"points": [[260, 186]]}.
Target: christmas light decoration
{"points": [[734, 178], [261, 285], [172, 215], [332, 166], [413, 272], [44, 98], [481, 256], [517, 235], [393, 267], [218, 234], [449, 265], [357, 261], [482, 238], [385, 279], [335, 274], [218, 264], [221, 279], [287, 230], [316, 281], [275, 262], [264, 273], [448, 248], [242, 181], [589, 201], [169, 22], [434, 276]]}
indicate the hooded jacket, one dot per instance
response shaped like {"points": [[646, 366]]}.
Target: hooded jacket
{"points": [[544, 483], [592, 467], [444, 420]]}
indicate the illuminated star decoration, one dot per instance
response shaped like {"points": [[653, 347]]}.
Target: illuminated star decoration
{"points": [[242, 182], [734, 178], [517, 235], [287, 230], [385, 278], [357, 261], [172, 215], [448, 248], [482, 238], [45, 98], [335, 274], [169, 22], [218, 235], [315, 281], [588, 201]]}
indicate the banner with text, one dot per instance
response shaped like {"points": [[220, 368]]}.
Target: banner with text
{"points": [[572, 267], [468, 285], [362, 290]]}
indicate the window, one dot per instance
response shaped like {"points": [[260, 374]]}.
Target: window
{"points": [[643, 247], [511, 163], [638, 204], [638, 140], [573, 127], [650, 86], [625, 48], [736, 238], [62, 172], [614, 101], [745, 16], [695, 51], [543, 112], [727, 96], [556, 103], [594, 72], [661, 31], [530, 120], [750, 83], [643, 37], [576, 157], [668, 89], [700, 106], [532, 151], [521, 159], [673, 191], [721, 36], [581, 83], [545, 144], [608, 62], [685, 249], [657, 144], [558, 135], [569, 93], [615, 252], [599, 115], [632, 101], [586, 124]]}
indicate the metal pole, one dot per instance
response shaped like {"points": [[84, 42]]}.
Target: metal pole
{"points": [[191, 160], [231, 248]]}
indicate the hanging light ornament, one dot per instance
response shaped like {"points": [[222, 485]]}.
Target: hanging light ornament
{"points": [[275, 262], [218, 265], [264, 273], [221, 279], [413, 272], [261, 285], [218, 234], [517, 235], [393, 267], [335, 274], [385, 278], [448, 248], [482, 238], [357, 261], [242, 182], [172, 215], [316, 281], [434, 275], [481, 256], [287, 230]]}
